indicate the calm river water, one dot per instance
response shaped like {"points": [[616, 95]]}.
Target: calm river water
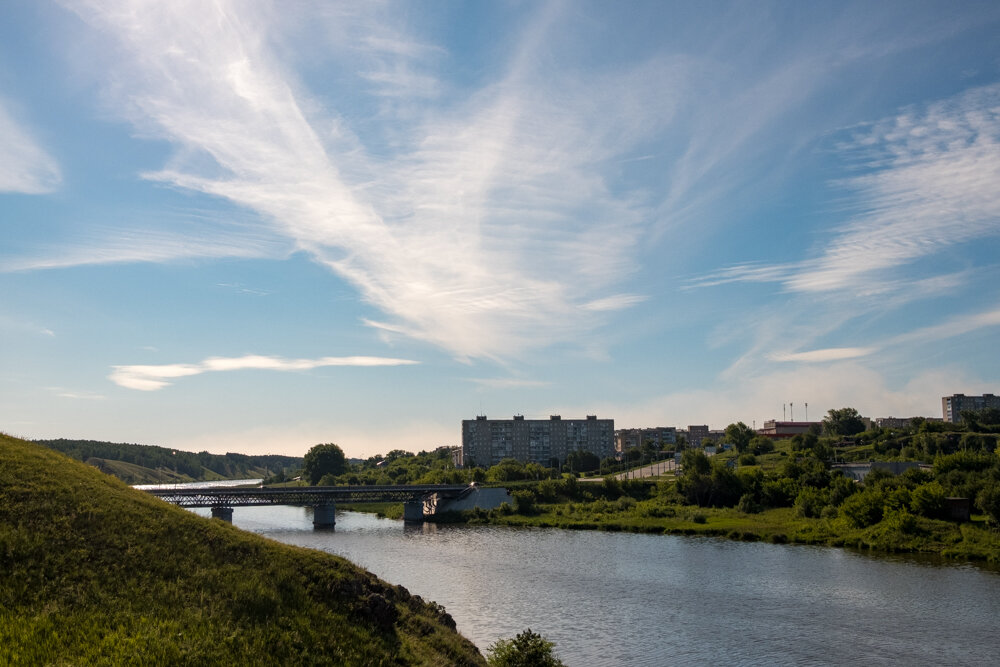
{"points": [[623, 599]]}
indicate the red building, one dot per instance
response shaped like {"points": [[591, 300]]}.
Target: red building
{"points": [[777, 430]]}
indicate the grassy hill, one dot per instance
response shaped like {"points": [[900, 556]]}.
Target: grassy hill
{"points": [[93, 572], [150, 464]]}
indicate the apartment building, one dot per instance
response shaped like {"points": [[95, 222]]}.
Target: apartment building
{"points": [[486, 442], [952, 406]]}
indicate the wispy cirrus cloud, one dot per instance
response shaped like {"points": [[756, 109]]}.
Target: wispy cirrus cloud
{"points": [[508, 383], [124, 246], [930, 185], [153, 377], [825, 355], [26, 167], [482, 226]]}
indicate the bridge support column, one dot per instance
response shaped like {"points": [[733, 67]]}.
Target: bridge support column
{"points": [[413, 510], [224, 513], [323, 516]]}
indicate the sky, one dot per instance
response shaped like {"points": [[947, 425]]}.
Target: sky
{"points": [[254, 227]]}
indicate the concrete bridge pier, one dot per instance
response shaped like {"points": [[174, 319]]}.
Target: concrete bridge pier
{"points": [[323, 516], [413, 510], [224, 513]]}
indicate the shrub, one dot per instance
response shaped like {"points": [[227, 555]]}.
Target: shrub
{"points": [[928, 500], [524, 502], [747, 460], [810, 502], [747, 504], [900, 520], [527, 649], [988, 501], [862, 509]]}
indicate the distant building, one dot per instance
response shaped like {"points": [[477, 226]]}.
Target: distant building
{"points": [[901, 422], [781, 429], [695, 434], [486, 442], [664, 437], [952, 406]]}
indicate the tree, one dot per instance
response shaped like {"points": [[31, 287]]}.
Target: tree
{"points": [[322, 460], [582, 461], [845, 421], [695, 461], [527, 649], [740, 435]]}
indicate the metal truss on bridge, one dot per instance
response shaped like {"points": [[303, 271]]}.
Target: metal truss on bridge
{"points": [[313, 495]]}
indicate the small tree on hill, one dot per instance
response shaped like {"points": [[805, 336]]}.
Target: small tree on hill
{"points": [[740, 435], [323, 460], [845, 421], [528, 649]]}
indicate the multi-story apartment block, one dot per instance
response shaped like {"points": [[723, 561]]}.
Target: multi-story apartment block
{"points": [[664, 437], [900, 422], [486, 442], [952, 406], [695, 434]]}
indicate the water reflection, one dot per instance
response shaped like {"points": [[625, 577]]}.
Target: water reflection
{"points": [[624, 599]]}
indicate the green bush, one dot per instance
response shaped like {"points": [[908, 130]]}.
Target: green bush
{"points": [[524, 502], [928, 500], [747, 504], [810, 502], [527, 649], [862, 509]]}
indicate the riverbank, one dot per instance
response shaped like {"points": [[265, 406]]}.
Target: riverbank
{"points": [[963, 541]]}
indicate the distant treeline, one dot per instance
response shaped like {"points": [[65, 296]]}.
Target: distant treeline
{"points": [[198, 466]]}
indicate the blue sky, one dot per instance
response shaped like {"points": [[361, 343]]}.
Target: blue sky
{"points": [[245, 226]]}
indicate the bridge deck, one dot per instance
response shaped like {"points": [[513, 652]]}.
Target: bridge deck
{"points": [[301, 495]]}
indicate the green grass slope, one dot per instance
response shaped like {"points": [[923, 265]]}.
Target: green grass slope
{"points": [[130, 473], [93, 572]]}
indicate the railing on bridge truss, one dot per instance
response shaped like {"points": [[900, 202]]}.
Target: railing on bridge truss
{"points": [[313, 495]]}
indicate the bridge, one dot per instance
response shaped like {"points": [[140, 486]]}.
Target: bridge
{"points": [[416, 499]]}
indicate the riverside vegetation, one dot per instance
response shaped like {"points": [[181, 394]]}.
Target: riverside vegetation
{"points": [[93, 572], [784, 491]]}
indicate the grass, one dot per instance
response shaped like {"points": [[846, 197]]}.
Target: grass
{"points": [[93, 572], [965, 541]]}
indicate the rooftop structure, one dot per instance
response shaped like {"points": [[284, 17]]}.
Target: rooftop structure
{"points": [[781, 429]]}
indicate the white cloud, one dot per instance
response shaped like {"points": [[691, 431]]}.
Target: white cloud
{"points": [[931, 185], [26, 167], [951, 327], [508, 383], [820, 356], [146, 245], [485, 228], [151, 378], [78, 395]]}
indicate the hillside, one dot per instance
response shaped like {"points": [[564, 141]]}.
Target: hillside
{"points": [[93, 572], [151, 464]]}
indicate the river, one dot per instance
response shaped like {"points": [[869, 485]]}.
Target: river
{"points": [[624, 599]]}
